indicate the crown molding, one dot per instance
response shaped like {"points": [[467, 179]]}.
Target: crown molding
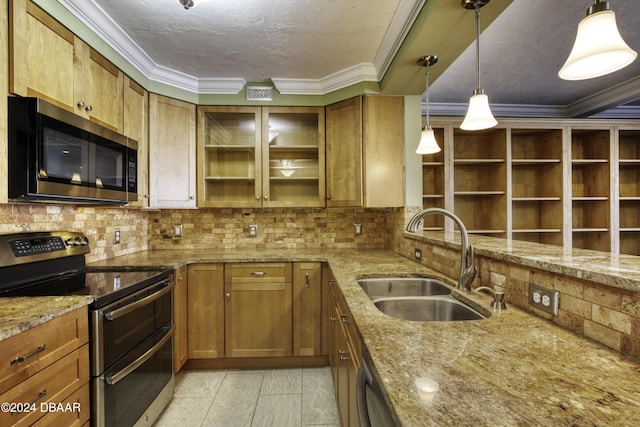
{"points": [[356, 74], [607, 99]]}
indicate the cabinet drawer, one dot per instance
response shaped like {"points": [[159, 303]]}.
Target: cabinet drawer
{"points": [[53, 384], [27, 353], [74, 411], [271, 272]]}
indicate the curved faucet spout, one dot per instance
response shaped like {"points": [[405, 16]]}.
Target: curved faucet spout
{"points": [[467, 252]]}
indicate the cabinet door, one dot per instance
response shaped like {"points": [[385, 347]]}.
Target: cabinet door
{"points": [[205, 311], [383, 151], [307, 308], [136, 126], [258, 311], [43, 57], [342, 373], [180, 319], [293, 157], [172, 153], [99, 94], [344, 153], [229, 157]]}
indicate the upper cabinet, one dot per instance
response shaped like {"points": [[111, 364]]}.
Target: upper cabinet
{"points": [[172, 153], [50, 62], [260, 156], [365, 152], [136, 126]]}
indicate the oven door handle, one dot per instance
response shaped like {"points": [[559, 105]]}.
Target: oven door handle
{"points": [[119, 312], [115, 378]]}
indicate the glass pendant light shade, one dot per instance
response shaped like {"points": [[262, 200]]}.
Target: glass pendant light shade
{"points": [[479, 114], [428, 143], [598, 49]]}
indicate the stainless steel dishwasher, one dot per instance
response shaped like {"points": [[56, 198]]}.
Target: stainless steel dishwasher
{"points": [[372, 408]]}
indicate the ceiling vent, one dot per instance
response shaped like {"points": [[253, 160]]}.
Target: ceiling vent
{"points": [[259, 93]]}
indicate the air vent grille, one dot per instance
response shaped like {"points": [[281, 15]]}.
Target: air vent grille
{"points": [[259, 93]]}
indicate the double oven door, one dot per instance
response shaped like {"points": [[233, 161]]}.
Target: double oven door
{"points": [[132, 356]]}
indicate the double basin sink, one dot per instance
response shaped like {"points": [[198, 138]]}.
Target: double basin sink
{"points": [[417, 298]]}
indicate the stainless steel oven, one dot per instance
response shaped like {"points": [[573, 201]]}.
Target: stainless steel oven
{"points": [[132, 355], [130, 319]]}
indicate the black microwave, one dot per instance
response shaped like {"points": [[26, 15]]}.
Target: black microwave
{"points": [[56, 155]]}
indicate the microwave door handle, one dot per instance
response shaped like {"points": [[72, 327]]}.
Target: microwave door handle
{"points": [[119, 312], [120, 375]]}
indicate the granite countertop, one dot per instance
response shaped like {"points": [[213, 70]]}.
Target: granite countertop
{"points": [[511, 369], [18, 314]]}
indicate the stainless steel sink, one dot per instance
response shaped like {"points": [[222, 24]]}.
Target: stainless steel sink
{"points": [[381, 287], [443, 308]]}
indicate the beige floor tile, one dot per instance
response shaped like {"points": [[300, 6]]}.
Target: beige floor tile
{"points": [[318, 398], [200, 383], [184, 411], [278, 410], [282, 381], [235, 402]]}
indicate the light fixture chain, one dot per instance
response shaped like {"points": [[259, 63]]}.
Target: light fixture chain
{"points": [[426, 96], [477, 10]]}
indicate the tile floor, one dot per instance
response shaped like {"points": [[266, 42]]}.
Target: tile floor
{"points": [[253, 398]]}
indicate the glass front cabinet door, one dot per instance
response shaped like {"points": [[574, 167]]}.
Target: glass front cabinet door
{"points": [[260, 156]]}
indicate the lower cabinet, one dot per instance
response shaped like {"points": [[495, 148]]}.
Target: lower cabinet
{"points": [[271, 309], [258, 310], [180, 318], [345, 354], [47, 365], [205, 305]]}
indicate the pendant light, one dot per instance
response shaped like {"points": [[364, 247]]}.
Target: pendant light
{"points": [[599, 49], [479, 114], [428, 143]]}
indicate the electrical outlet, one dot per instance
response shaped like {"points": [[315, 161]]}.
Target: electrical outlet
{"points": [[253, 230], [357, 229], [418, 254], [544, 299], [116, 236]]}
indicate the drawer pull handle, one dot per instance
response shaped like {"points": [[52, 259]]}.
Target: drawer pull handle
{"points": [[306, 278], [21, 359], [258, 273], [41, 396]]}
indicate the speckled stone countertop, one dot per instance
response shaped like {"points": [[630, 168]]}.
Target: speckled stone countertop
{"points": [[513, 369], [616, 270], [21, 313]]}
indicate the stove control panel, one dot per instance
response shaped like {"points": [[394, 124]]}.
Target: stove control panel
{"points": [[21, 248], [39, 245]]}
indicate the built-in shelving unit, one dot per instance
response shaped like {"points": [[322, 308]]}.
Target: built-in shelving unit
{"points": [[629, 190], [536, 170], [480, 180], [433, 183], [572, 183], [590, 203]]}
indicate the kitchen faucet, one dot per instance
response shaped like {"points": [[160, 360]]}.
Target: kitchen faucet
{"points": [[467, 266]]}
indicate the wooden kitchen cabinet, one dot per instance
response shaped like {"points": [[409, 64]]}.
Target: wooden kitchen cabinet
{"points": [[172, 153], [205, 311], [258, 309], [48, 363], [260, 156], [307, 309], [365, 152], [136, 126], [629, 190], [180, 318], [48, 61], [344, 357], [433, 188]]}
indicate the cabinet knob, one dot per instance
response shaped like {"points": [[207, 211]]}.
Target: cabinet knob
{"points": [[88, 108], [266, 197], [328, 197], [227, 295], [257, 197], [81, 104]]}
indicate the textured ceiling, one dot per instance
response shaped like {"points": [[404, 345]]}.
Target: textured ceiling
{"points": [[341, 42]]}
